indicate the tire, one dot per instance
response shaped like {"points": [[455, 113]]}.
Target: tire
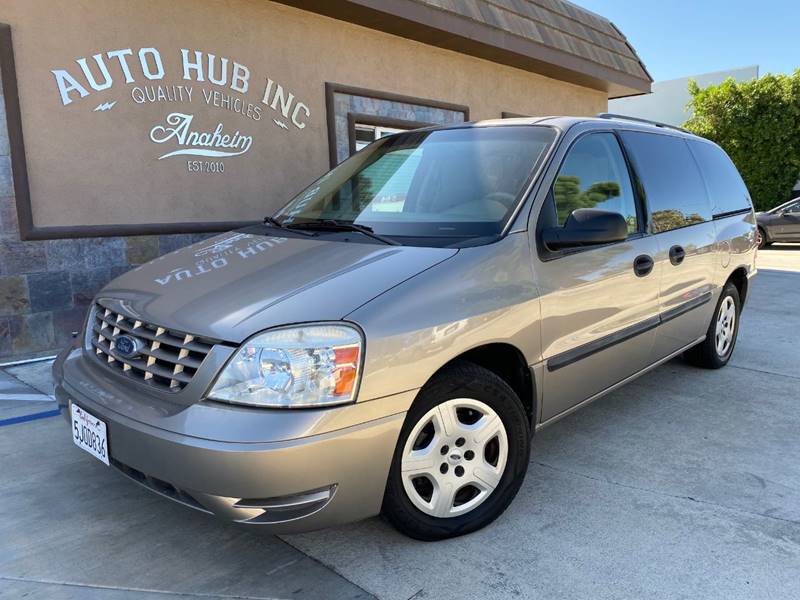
{"points": [[432, 501], [763, 241], [712, 353]]}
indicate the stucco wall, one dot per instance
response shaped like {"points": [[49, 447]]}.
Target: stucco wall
{"points": [[101, 167]]}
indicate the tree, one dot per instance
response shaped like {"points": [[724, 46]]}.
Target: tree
{"points": [[569, 197], [758, 124], [666, 220]]}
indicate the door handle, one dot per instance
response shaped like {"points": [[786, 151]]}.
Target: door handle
{"points": [[642, 265], [676, 255]]}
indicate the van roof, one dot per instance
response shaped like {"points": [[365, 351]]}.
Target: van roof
{"points": [[564, 122]]}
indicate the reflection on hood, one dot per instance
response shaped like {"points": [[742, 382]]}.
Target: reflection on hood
{"points": [[236, 284]]}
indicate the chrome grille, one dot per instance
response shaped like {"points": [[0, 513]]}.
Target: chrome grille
{"points": [[167, 359]]}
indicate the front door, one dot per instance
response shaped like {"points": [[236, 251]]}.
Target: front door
{"points": [[599, 305]]}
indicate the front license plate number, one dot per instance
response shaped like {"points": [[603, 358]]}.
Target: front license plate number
{"points": [[89, 433]]}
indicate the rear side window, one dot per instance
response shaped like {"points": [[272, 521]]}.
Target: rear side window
{"points": [[673, 189], [725, 186]]}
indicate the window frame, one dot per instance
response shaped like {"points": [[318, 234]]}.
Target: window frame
{"points": [[642, 215], [775, 210], [791, 207]]}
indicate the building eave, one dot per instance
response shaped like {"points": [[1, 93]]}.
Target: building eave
{"points": [[444, 29]]}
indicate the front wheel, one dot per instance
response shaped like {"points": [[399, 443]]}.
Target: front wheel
{"points": [[716, 350], [461, 456]]}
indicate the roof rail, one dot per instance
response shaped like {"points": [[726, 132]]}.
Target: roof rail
{"points": [[640, 120]]}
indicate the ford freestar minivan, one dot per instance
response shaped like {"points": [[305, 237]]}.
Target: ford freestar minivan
{"points": [[391, 339]]}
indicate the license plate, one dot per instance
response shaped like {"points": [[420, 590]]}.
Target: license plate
{"points": [[89, 432]]}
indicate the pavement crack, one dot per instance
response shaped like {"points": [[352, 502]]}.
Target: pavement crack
{"points": [[283, 566], [325, 566], [416, 594], [665, 494], [120, 588], [773, 373]]}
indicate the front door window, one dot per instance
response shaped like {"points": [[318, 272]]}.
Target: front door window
{"points": [[594, 175]]}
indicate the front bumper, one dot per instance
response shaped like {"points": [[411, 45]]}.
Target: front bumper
{"points": [[328, 476]]}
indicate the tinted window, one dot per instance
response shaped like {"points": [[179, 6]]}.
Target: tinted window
{"points": [[793, 208], [725, 186], [595, 175], [673, 189]]}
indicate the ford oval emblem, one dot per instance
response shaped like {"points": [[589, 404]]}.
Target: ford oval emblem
{"points": [[127, 346]]}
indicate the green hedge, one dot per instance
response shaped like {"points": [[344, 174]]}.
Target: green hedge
{"points": [[758, 124]]}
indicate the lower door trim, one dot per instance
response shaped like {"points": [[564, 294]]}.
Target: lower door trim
{"points": [[672, 313], [619, 384], [559, 361]]}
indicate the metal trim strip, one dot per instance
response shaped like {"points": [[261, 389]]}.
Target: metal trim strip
{"points": [[731, 213], [559, 361], [685, 307]]}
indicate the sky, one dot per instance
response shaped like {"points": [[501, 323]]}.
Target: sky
{"points": [[677, 38]]}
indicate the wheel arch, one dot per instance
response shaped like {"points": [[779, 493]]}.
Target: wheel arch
{"points": [[507, 362], [739, 279]]}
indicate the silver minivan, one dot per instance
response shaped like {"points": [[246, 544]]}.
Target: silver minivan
{"points": [[390, 340]]}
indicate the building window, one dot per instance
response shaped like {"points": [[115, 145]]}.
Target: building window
{"points": [[358, 116], [366, 134], [363, 129]]}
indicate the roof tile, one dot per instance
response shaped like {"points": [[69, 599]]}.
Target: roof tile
{"points": [[556, 24]]}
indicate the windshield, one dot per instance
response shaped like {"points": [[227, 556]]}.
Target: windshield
{"points": [[786, 206], [440, 187]]}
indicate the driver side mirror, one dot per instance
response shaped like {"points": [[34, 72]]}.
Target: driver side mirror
{"points": [[586, 227]]}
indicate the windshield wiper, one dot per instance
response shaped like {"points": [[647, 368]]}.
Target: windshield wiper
{"points": [[277, 224], [336, 225], [273, 221]]}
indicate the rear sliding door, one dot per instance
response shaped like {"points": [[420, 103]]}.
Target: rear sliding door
{"points": [[680, 219]]}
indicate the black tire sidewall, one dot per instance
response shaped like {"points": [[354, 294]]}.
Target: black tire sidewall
{"points": [[463, 380]]}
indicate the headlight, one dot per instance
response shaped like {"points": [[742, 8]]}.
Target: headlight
{"points": [[307, 365]]}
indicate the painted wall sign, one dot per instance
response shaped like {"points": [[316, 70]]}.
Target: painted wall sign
{"points": [[203, 80], [154, 117]]}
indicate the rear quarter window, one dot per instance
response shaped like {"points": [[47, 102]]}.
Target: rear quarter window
{"points": [[725, 186], [673, 189]]}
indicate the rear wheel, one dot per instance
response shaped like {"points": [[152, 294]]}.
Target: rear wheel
{"points": [[461, 456], [716, 350]]}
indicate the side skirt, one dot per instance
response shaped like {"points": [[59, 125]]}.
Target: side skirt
{"points": [[619, 384]]}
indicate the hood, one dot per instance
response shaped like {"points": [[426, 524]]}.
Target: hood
{"points": [[234, 285]]}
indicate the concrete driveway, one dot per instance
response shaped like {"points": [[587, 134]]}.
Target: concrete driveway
{"points": [[683, 484]]}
